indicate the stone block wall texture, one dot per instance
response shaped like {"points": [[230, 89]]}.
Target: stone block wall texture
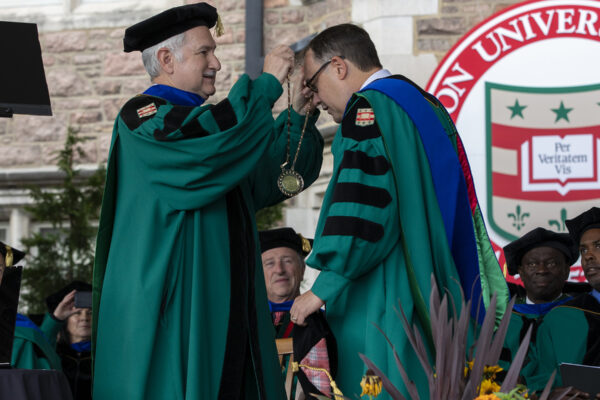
{"points": [[438, 33], [90, 77]]}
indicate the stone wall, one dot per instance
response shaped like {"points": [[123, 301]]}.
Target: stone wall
{"points": [[436, 34], [89, 76]]}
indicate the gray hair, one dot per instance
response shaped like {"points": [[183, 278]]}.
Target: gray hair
{"points": [[149, 55]]}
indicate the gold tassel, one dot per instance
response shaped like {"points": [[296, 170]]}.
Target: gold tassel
{"points": [[337, 393], [9, 256], [305, 244], [219, 29]]}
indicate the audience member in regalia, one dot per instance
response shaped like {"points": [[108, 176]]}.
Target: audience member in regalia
{"points": [[33, 346], [570, 332], [73, 343], [283, 253], [542, 259]]}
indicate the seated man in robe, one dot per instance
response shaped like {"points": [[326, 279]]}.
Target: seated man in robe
{"points": [[571, 331], [542, 259], [283, 253]]}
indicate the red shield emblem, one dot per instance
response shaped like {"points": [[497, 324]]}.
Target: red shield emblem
{"points": [[542, 155], [365, 117]]}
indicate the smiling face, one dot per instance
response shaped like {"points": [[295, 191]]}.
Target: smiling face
{"points": [[79, 325], [543, 271], [197, 70], [589, 247], [284, 270]]}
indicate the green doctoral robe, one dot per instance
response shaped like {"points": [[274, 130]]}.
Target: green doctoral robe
{"points": [[570, 333], [179, 295], [517, 328], [357, 244], [36, 349]]}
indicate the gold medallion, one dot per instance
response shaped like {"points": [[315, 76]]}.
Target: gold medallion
{"points": [[290, 182]]}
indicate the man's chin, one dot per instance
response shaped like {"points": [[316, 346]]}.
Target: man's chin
{"points": [[208, 91]]}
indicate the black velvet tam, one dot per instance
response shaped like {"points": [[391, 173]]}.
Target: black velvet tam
{"points": [[284, 237], [539, 237], [168, 24], [17, 254], [583, 222]]}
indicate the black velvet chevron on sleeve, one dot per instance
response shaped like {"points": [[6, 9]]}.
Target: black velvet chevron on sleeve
{"points": [[130, 113], [224, 114], [378, 165], [352, 192], [173, 121], [352, 130], [353, 226]]}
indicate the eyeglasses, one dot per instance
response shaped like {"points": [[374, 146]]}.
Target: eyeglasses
{"points": [[311, 82]]}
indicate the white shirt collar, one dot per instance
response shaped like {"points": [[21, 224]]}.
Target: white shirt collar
{"points": [[382, 73], [528, 301]]}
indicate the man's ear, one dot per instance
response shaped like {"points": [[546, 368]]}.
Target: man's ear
{"points": [[166, 60], [340, 67]]}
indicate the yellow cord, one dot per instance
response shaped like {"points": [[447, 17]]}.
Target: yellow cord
{"points": [[336, 391]]}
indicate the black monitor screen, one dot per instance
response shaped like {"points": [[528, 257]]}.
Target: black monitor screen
{"points": [[23, 86], [9, 300]]}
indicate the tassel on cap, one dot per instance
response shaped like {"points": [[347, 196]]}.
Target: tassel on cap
{"points": [[8, 260], [219, 29], [305, 244]]}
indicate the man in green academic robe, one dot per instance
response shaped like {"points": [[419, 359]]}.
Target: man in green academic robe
{"points": [[397, 211], [570, 332], [180, 310], [543, 260]]}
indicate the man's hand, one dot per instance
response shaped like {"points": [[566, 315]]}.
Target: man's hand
{"points": [[303, 306], [279, 62], [300, 93], [66, 307]]}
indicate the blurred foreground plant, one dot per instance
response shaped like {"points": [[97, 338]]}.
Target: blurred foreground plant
{"points": [[448, 378]]}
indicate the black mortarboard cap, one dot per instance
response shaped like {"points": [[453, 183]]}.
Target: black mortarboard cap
{"points": [[583, 222], [17, 255], [167, 24], [284, 237], [539, 237], [54, 299]]}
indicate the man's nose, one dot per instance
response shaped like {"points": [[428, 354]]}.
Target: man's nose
{"points": [[589, 256], [316, 99], [214, 63], [279, 267]]}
